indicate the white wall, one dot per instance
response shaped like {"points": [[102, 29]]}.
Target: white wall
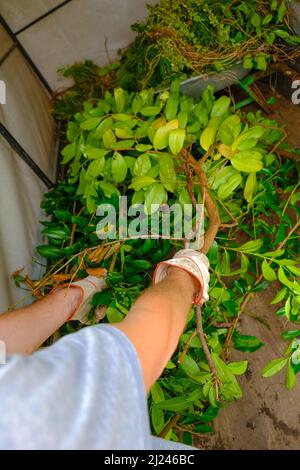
{"points": [[75, 32], [27, 117]]}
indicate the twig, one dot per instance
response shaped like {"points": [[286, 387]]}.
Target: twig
{"points": [[288, 155], [186, 348], [212, 209], [173, 421], [203, 342]]}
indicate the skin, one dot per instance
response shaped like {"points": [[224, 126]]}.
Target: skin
{"points": [[153, 325]]}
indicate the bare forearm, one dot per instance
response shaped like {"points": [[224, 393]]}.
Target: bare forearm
{"points": [[25, 329], [156, 321]]}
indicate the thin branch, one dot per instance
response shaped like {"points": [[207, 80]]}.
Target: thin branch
{"points": [[212, 209], [186, 348], [170, 425], [203, 342]]}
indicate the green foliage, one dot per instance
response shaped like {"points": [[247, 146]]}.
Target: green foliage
{"points": [[187, 37], [131, 144]]}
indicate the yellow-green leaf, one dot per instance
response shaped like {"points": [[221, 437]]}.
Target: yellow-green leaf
{"points": [[207, 137], [246, 165], [274, 367], [226, 189], [250, 187], [176, 140], [109, 139], [167, 172], [141, 182], [161, 138], [120, 99], [118, 168], [268, 273], [290, 377], [142, 165]]}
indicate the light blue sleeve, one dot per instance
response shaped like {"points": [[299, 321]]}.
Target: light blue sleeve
{"points": [[84, 392]]}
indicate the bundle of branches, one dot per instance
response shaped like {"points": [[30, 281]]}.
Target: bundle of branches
{"points": [[186, 37], [168, 148]]}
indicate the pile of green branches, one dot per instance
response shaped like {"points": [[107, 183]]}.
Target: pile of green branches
{"points": [[191, 37], [159, 148]]}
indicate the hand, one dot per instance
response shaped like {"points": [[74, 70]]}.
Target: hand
{"points": [[88, 287], [194, 263]]}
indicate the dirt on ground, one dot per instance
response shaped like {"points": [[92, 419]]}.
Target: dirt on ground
{"points": [[268, 415]]}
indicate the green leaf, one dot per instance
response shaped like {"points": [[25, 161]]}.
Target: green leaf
{"points": [[137, 104], [109, 139], [250, 187], [143, 147], [114, 315], [120, 99], [247, 343], [220, 294], [118, 168], [124, 144], [226, 189], [284, 280], [141, 182], [157, 419], [267, 19], [240, 163], [161, 138], [203, 428], [96, 167], [103, 126], [176, 140], [290, 334], [167, 172], [238, 368], [175, 404], [287, 308], [63, 214], [150, 111], [274, 254], [226, 376], [108, 189], [157, 393], [138, 197], [282, 11], [252, 246], [268, 273], [73, 131], [182, 119], [92, 152], [220, 107], [68, 153], [248, 62], [155, 195], [279, 296], [142, 165], [255, 20], [274, 367], [207, 137], [91, 123], [290, 377], [244, 264], [261, 62], [47, 251], [190, 366], [172, 108]]}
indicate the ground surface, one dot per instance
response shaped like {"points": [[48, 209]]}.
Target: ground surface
{"points": [[268, 415]]}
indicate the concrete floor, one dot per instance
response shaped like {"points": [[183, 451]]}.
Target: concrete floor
{"points": [[268, 415]]}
